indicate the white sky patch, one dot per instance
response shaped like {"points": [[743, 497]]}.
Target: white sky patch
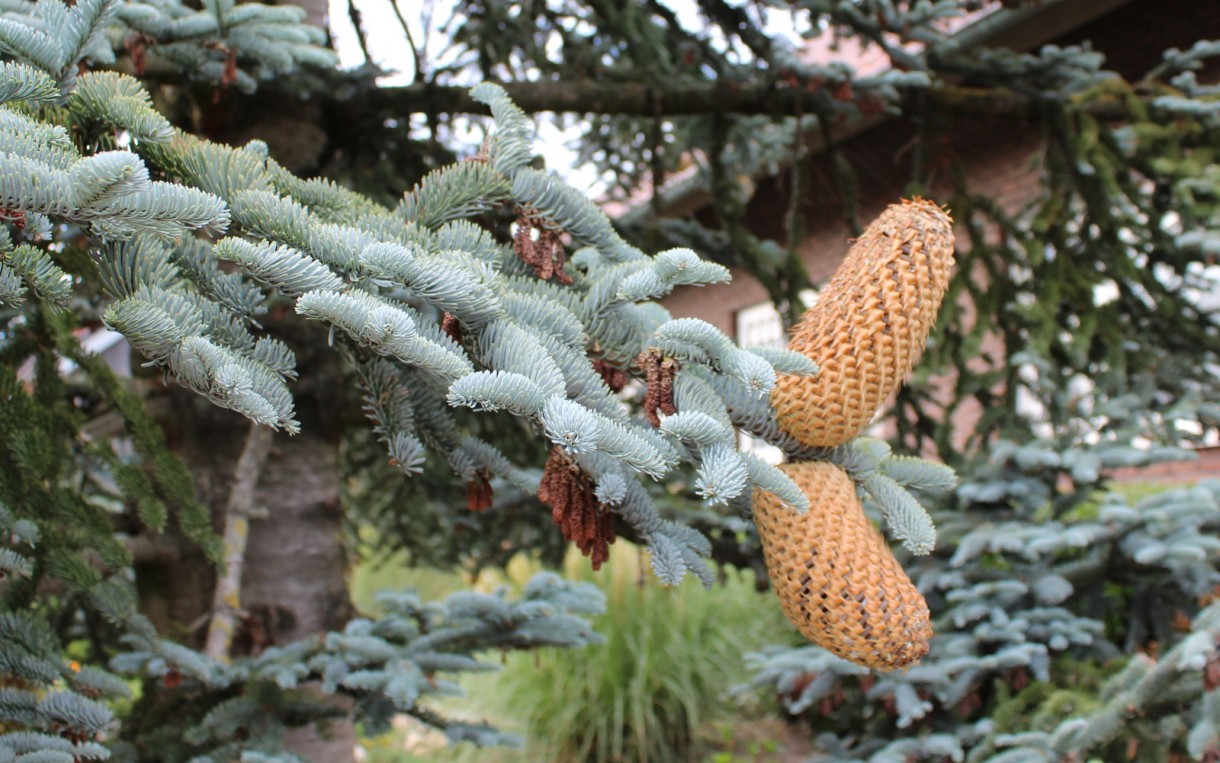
{"points": [[384, 36], [553, 144], [1105, 292], [781, 24], [1205, 291], [428, 21], [387, 40], [388, 47]]}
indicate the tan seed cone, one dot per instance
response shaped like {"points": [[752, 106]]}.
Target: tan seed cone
{"points": [[836, 578], [869, 325]]}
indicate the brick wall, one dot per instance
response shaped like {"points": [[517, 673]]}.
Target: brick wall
{"points": [[1206, 466]]}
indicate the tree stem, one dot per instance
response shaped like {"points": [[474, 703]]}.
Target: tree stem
{"points": [[226, 599], [691, 98]]}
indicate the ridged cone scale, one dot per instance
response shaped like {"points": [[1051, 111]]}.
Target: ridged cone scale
{"points": [[869, 325], [836, 577]]}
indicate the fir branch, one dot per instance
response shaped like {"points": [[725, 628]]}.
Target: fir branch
{"points": [[722, 475], [511, 146], [46, 279], [118, 101], [552, 199], [19, 82], [684, 98], [451, 193], [452, 281], [906, 518], [495, 391], [289, 271]]}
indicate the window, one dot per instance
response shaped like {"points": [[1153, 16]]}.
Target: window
{"points": [[761, 325]]}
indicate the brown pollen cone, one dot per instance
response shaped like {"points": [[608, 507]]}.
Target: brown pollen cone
{"points": [[836, 577], [869, 325], [574, 507], [479, 493], [659, 372]]}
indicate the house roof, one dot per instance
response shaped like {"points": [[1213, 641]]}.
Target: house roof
{"points": [[94, 341]]}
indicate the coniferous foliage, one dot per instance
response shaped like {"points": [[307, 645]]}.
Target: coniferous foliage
{"points": [[182, 243], [457, 326], [1073, 623]]}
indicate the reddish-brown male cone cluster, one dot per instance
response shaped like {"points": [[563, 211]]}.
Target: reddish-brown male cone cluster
{"points": [[836, 578]]}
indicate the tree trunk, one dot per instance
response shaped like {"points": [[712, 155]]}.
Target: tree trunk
{"points": [[295, 564], [295, 580], [294, 584]]}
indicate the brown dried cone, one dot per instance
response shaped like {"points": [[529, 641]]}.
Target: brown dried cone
{"points": [[869, 325], [836, 578]]}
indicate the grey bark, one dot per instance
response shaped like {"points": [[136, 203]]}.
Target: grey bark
{"points": [[295, 564], [296, 568]]}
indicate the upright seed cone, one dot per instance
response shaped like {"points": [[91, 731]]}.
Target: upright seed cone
{"points": [[836, 578], [869, 325]]}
